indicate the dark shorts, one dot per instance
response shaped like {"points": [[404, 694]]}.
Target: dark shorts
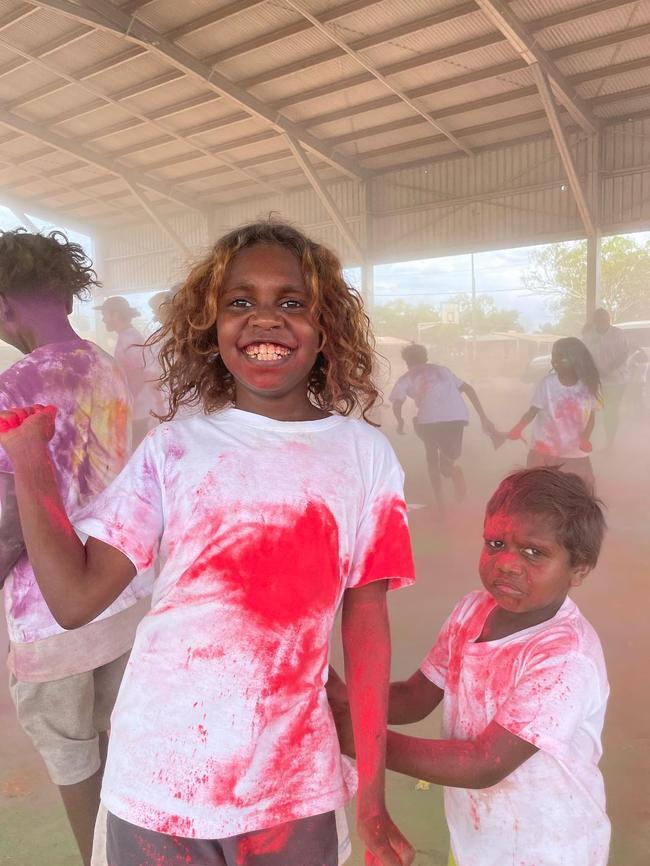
{"points": [[445, 436], [305, 842], [578, 465]]}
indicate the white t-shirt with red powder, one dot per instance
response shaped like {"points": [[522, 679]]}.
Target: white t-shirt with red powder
{"points": [[222, 724], [434, 389], [548, 685], [564, 411]]}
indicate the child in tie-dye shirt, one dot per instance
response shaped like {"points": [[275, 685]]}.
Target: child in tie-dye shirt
{"points": [[63, 683]]}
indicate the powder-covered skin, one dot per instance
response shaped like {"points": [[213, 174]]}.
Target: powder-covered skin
{"points": [[90, 446], [222, 725], [546, 684], [564, 412]]}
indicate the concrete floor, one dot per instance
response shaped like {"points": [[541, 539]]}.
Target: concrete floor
{"points": [[33, 830]]}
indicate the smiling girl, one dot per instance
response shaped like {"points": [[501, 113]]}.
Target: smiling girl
{"points": [[270, 508]]}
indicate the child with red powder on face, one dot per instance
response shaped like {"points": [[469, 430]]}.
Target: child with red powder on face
{"points": [[563, 409], [270, 509], [522, 681]]}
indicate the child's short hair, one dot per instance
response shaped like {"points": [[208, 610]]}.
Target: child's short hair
{"points": [[562, 499], [342, 377], [37, 264], [414, 353]]}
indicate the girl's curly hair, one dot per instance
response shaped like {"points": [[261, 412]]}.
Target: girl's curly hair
{"points": [[44, 264], [192, 370]]}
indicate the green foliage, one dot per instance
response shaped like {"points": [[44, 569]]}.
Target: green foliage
{"points": [[560, 271], [400, 319]]}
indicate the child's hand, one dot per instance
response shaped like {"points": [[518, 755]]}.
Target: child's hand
{"points": [[586, 446], [23, 427], [517, 433], [385, 845]]}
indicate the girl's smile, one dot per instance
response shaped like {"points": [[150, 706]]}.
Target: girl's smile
{"points": [[267, 336]]}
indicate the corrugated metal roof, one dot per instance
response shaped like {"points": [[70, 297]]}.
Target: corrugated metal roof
{"points": [[110, 106]]}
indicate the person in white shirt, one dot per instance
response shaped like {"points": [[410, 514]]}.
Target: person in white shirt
{"points": [[138, 363], [270, 510], [609, 348], [441, 418], [563, 409], [522, 680]]}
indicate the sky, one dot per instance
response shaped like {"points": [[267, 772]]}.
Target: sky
{"points": [[426, 281]]}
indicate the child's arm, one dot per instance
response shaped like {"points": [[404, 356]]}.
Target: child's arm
{"points": [[478, 763], [408, 701], [585, 444], [472, 396], [78, 582], [11, 536], [366, 648], [523, 422]]}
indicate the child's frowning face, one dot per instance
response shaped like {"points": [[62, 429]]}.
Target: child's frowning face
{"points": [[523, 566], [267, 336]]}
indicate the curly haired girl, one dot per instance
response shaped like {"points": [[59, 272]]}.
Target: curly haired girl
{"points": [[269, 508]]}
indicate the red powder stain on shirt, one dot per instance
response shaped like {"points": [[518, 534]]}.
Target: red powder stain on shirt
{"points": [[203, 733], [389, 554], [271, 841], [282, 570]]}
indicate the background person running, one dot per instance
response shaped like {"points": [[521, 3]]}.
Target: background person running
{"points": [[441, 418], [521, 677], [563, 409], [223, 749], [63, 683], [137, 362]]}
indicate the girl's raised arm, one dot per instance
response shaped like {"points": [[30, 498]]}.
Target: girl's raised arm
{"points": [[78, 582]]}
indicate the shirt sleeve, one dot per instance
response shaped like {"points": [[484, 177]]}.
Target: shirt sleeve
{"points": [[382, 548], [7, 401], [436, 664], [128, 514], [540, 399], [553, 697], [400, 390]]}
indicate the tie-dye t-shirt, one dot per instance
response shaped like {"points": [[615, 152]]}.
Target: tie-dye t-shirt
{"points": [[222, 724], [90, 445], [564, 411], [546, 684]]}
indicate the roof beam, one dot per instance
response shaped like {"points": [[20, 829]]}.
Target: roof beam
{"points": [[211, 18], [46, 136], [500, 14], [143, 119], [328, 202], [358, 58], [57, 218], [542, 81], [159, 220], [111, 19]]}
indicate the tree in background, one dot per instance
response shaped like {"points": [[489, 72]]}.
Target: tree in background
{"points": [[560, 271], [400, 318]]}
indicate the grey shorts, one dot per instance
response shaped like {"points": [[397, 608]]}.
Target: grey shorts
{"points": [[64, 718], [306, 842]]}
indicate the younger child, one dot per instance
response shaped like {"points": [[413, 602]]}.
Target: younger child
{"points": [[521, 676], [269, 509], [563, 409], [441, 419]]}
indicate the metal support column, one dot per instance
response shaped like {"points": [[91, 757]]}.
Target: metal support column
{"points": [[593, 273], [593, 294]]}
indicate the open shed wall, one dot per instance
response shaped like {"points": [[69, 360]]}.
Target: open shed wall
{"points": [[505, 197]]}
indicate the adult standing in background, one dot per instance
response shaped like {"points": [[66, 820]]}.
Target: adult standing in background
{"points": [[609, 349], [159, 306], [137, 363]]}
